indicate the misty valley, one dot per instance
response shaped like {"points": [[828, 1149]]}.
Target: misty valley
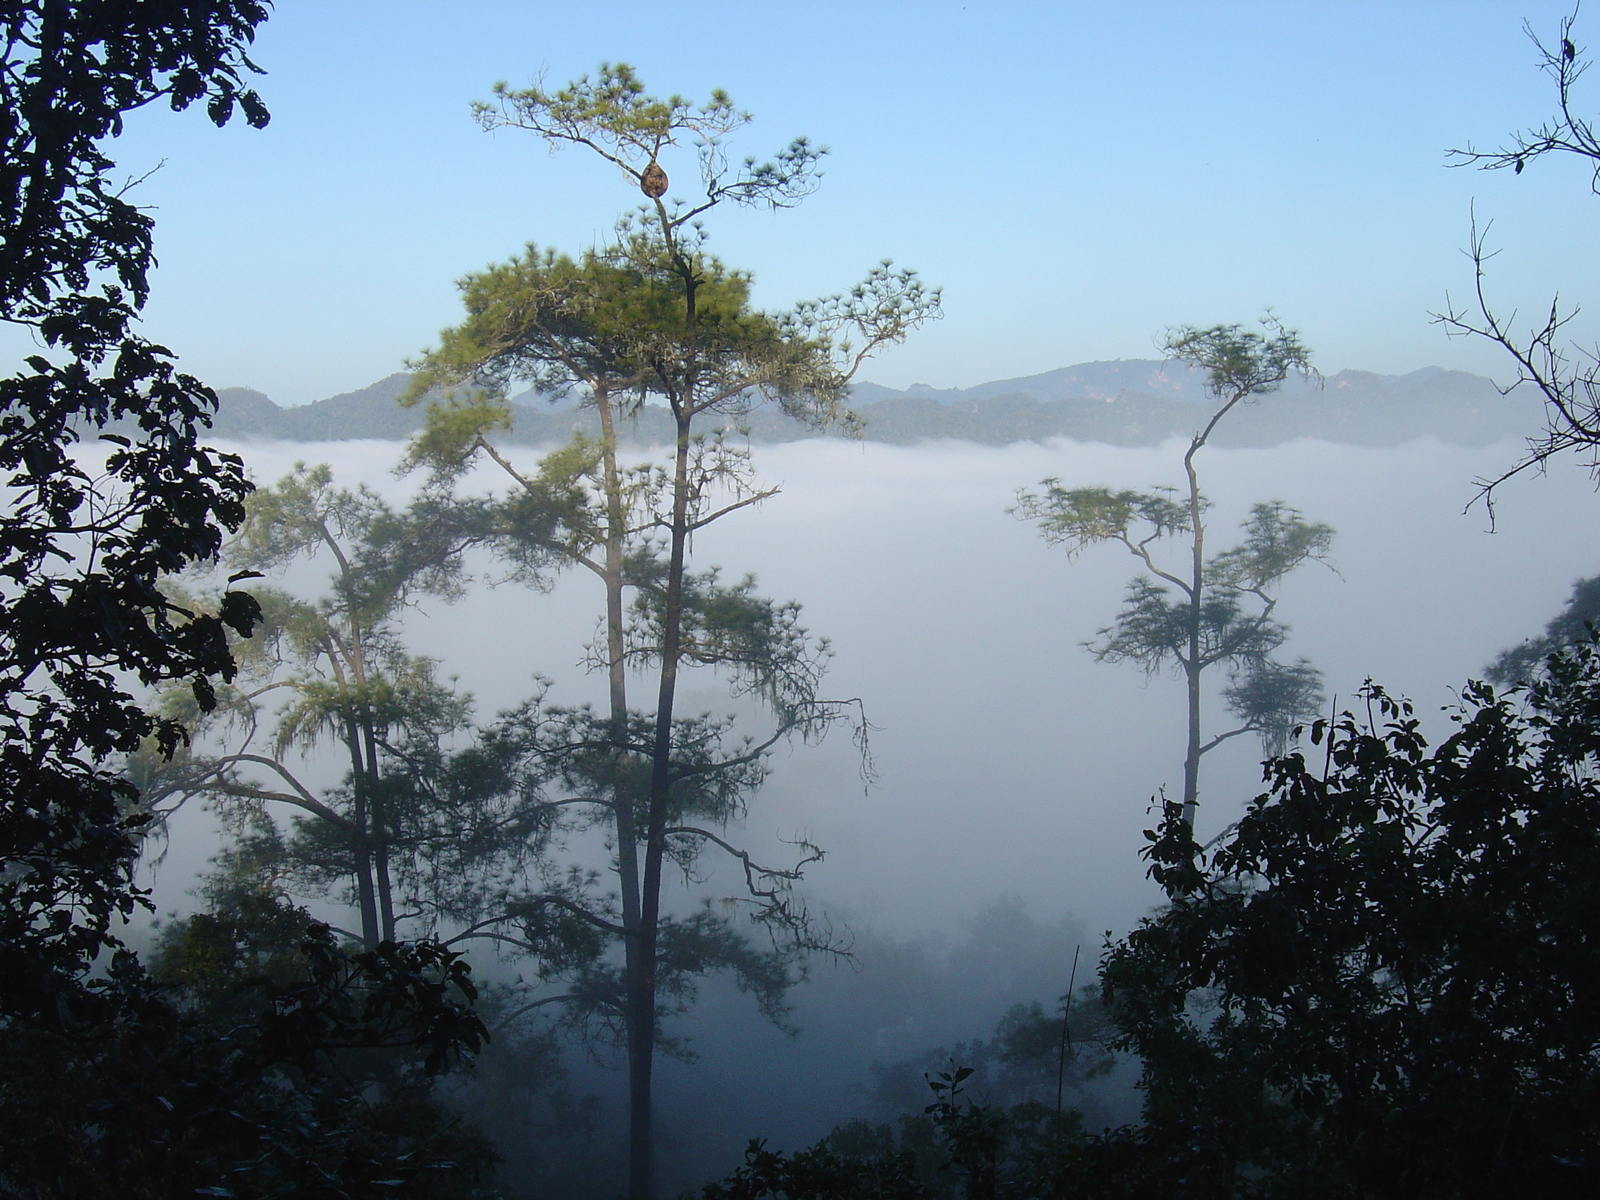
{"points": [[1012, 775], [627, 752]]}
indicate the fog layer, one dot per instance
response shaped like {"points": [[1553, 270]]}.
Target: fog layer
{"points": [[1007, 761]]}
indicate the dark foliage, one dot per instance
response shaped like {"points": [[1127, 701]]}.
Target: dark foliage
{"points": [[819, 1173], [1521, 663], [991, 1129], [1387, 982], [1384, 983], [954, 1148], [1033, 1058], [109, 1084], [321, 1089], [82, 552]]}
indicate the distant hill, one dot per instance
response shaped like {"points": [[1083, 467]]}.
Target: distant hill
{"points": [[372, 412], [1129, 402]]}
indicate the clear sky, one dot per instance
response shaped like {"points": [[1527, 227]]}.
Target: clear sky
{"points": [[1077, 177]]}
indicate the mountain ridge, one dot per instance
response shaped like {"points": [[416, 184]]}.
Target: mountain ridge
{"points": [[1123, 402]]}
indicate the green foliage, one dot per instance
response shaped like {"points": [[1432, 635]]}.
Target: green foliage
{"points": [[1153, 630], [1240, 362], [1277, 540], [616, 119], [1272, 698], [1158, 628], [1384, 983], [345, 681], [112, 1084], [541, 776], [1077, 518], [758, 644], [615, 322]]}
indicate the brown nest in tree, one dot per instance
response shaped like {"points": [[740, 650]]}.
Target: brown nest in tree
{"points": [[653, 182]]}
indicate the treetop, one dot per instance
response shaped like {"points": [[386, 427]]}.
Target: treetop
{"points": [[1241, 362], [613, 116]]}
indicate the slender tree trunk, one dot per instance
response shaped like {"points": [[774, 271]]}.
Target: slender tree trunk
{"points": [[638, 981], [385, 890], [366, 893], [382, 831], [1192, 667], [644, 1001], [1191, 759], [623, 797]]}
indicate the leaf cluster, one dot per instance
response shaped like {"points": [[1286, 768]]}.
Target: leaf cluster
{"points": [[1240, 362], [309, 1079], [1160, 626]]}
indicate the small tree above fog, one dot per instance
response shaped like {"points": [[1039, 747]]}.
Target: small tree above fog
{"points": [[1204, 611]]}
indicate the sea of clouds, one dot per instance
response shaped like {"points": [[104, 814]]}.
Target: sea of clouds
{"points": [[1007, 761]]}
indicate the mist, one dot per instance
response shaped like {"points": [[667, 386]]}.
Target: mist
{"points": [[1010, 774], [1006, 761]]}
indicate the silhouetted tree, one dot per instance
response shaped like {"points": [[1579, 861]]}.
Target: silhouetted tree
{"points": [[1222, 612], [1385, 981], [1569, 626], [107, 1086], [341, 674], [1566, 376], [83, 549]]}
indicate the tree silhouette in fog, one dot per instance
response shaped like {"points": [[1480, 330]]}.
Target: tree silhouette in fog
{"points": [[1214, 610], [1522, 662], [1386, 982], [338, 673]]}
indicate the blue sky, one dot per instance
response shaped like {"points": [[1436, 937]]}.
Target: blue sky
{"points": [[1077, 177]]}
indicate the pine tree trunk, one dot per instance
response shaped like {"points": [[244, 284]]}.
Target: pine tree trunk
{"points": [[642, 1051], [366, 892]]}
